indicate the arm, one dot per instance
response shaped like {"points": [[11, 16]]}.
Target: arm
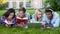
{"points": [[56, 24], [3, 20], [44, 19], [14, 22]]}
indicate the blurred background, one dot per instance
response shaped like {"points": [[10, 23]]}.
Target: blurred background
{"points": [[30, 4]]}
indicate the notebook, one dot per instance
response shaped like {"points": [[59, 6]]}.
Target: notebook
{"points": [[8, 22]]}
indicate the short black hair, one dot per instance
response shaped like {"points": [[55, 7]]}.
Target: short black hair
{"points": [[22, 9], [48, 9], [11, 10]]}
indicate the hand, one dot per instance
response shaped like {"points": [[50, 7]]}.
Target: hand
{"points": [[19, 18], [25, 18], [50, 25], [8, 25], [43, 23]]}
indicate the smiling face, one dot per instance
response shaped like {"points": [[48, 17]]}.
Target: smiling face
{"points": [[10, 16]]}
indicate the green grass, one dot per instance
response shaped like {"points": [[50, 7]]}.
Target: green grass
{"points": [[18, 30]]}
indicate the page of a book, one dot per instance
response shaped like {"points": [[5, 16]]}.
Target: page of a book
{"points": [[19, 20], [8, 22], [22, 18]]}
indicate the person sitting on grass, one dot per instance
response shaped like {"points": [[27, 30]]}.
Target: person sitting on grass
{"points": [[50, 18], [8, 19], [22, 18], [37, 17]]}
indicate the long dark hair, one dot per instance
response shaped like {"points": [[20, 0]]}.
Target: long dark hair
{"points": [[11, 10]]}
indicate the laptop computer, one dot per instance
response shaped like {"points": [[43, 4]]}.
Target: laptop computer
{"points": [[34, 25]]}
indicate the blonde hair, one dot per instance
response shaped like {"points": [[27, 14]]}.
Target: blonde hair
{"points": [[36, 11]]}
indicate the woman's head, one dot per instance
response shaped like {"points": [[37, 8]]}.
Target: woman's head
{"points": [[10, 14], [38, 14], [21, 12]]}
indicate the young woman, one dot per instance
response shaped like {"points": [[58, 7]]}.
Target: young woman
{"points": [[37, 17], [8, 19], [22, 18]]}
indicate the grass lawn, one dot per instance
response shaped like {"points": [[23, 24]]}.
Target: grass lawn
{"points": [[18, 30]]}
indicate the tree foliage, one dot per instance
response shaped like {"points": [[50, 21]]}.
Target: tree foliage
{"points": [[3, 4], [54, 4]]}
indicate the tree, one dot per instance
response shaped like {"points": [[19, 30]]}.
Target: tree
{"points": [[3, 4], [54, 4]]}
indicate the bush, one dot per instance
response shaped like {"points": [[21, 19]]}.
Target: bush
{"points": [[3, 6], [54, 4]]}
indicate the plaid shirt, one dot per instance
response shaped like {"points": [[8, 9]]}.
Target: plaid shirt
{"points": [[3, 18]]}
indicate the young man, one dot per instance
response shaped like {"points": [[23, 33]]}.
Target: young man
{"points": [[22, 18], [50, 18], [26, 13]]}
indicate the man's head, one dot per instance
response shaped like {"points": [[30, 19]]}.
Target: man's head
{"points": [[22, 12], [49, 13]]}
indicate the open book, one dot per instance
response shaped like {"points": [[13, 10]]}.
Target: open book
{"points": [[8, 22], [21, 20]]}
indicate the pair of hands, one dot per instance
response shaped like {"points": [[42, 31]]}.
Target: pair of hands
{"points": [[44, 25], [8, 25], [22, 18]]}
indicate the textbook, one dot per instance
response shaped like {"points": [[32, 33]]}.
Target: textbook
{"points": [[8, 22], [20, 21]]}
